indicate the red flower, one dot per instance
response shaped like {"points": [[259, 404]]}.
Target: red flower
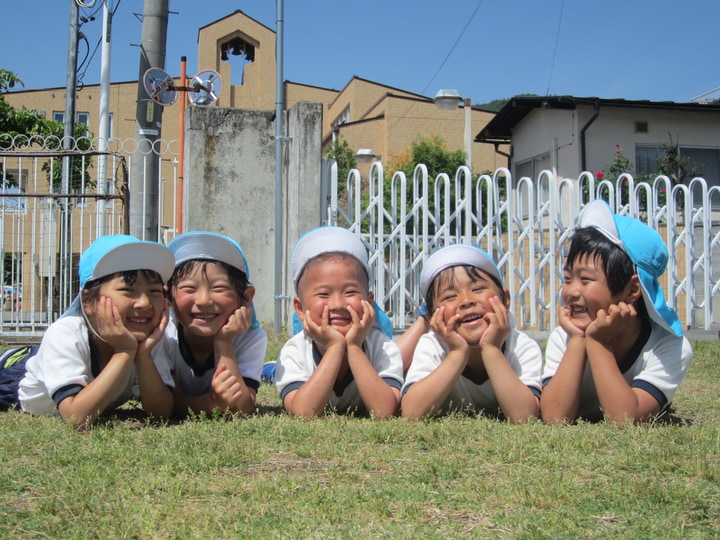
{"points": [[599, 175]]}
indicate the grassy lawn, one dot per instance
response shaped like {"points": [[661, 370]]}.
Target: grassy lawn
{"points": [[273, 476]]}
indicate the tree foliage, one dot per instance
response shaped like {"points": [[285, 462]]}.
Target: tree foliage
{"points": [[340, 151], [431, 151], [675, 166], [28, 122]]}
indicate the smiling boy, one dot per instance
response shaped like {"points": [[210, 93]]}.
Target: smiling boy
{"points": [[619, 349], [340, 361], [473, 359]]}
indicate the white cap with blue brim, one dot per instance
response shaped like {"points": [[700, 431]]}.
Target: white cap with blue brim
{"points": [[326, 240], [209, 246], [457, 255], [111, 254], [646, 250]]}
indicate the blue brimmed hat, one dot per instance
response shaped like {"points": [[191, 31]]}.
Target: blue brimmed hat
{"points": [[457, 255], [121, 253], [209, 246], [646, 250], [326, 240]]}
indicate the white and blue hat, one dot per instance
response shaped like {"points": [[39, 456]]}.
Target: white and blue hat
{"points": [[326, 240], [209, 246], [646, 250], [457, 255], [121, 253]]}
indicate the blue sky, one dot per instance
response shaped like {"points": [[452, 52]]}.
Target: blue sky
{"points": [[659, 50]]}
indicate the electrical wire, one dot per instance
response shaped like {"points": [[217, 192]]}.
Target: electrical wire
{"points": [[557, 40], [447, 57]]}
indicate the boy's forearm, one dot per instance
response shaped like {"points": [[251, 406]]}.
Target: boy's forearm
{"points": [[515, 399], [311, 398], [83, 408], [428, 394], [156, 398], [560, 399], [380, 399], [618, 400]]}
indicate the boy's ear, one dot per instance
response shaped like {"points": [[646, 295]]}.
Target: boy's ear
{"points": [[371, 297], [633, 290], [506, 298], [297, 304], [249, 294]]}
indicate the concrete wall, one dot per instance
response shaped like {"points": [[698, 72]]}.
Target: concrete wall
{"points": [[230, 186]]}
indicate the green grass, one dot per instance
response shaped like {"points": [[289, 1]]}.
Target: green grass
{"points": [[273, 476]]}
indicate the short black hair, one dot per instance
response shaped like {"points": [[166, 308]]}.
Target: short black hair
{"points": [[92, 288], [447, 276], [238, 278], [590, 242]]}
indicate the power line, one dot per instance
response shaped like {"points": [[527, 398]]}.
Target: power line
{"points": [[447, 57], [557, 40]]}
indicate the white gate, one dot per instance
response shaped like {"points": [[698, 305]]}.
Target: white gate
{"points": [[525, 225], [48, 219]]}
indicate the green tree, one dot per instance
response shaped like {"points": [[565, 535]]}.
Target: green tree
{"points": [[675, 166], [24, 121], [431, 151], [340, 151]]}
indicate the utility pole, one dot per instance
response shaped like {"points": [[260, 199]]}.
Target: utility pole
{"points": [[68, 142], [104, 130], [145, 172]]}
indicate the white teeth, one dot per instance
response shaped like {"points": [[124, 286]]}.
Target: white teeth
{"points": [[470, 318]]}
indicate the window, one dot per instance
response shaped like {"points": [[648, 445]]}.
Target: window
{"points": [[80, 118], [641, 127], [706, 159], [646, 160], [343, 118], [14, 182]]}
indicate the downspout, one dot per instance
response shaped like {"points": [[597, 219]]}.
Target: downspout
{"points": [[498, 151], [583, 157]]}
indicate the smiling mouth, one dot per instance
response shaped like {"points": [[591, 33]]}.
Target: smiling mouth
{"points": [[578, 310], [139, 320], [204, 316], [470, 318]]}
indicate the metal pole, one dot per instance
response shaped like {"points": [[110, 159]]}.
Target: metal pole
{"points": [[104, 130], [468, 134], [181, 152], [278, 163], [145, 173], [68, 141]]}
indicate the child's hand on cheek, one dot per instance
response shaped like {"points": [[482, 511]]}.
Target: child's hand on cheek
{"points": [[322, 333], [498, 324], [361, 326], [608, 324], [567, 324], [447, 331], [111, 328], [238, 322], [147, 345]]}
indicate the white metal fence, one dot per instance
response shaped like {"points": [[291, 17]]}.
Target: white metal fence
{"points": [[525, 225], [47, 218]]}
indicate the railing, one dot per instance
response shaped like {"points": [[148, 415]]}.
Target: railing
{"points": [[526, 226], [48, 218]]}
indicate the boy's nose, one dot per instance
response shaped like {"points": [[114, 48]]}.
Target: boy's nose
{"points": [[202, 296], [142, 300], [336, 301]]}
